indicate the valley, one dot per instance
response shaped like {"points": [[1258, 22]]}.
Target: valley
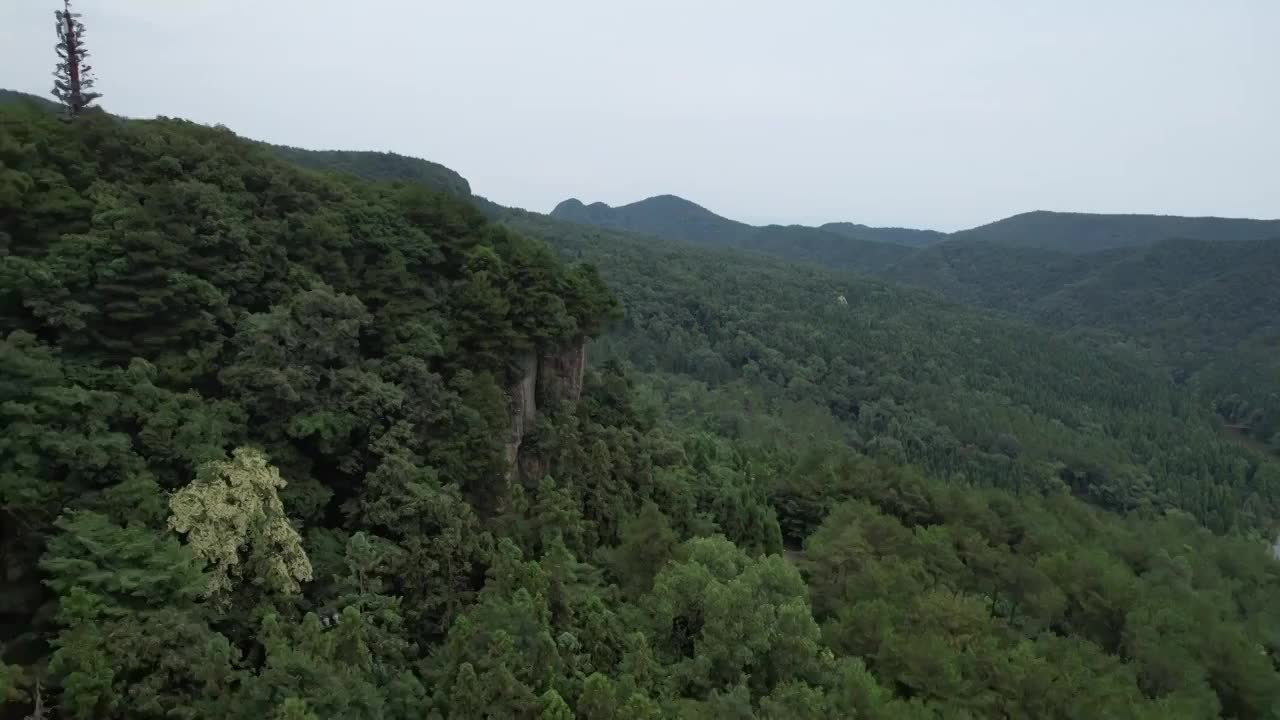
{"points": [[1192, 296]]}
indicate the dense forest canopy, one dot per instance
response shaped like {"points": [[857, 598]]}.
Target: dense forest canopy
{"points": [[968, 396], [1192, 296], [289, 444], [1205, 311], [895, 235], [378, 166]]}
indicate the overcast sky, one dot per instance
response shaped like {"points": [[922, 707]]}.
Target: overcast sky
{"points": [[936, 114]]}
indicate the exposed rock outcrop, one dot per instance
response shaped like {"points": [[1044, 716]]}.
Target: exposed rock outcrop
{"points": [[531, 468], [547, 382], [523, 408], [560, 375]]}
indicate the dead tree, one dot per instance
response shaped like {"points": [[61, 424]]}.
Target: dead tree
{"points": [[73, 79]]}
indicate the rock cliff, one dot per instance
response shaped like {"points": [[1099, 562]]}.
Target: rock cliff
{"points": [[523, 406], [560, 375], [546, 382]]}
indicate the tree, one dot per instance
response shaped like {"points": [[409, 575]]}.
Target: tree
{"points": [[134, 640], [647, 543], [721, 619], [232, 505], [331, 671], [554, 707], [73, 80]]}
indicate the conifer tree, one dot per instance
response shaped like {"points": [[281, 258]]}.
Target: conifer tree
{"points": [[73, 79]]}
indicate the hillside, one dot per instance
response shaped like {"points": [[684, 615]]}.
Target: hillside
{"points": [[366, 165], [665, 216], [897, 236], [671, 217], [939, 384], [1056, 289], [1190, 295], [1087, 233], [675, 218], [12, 97], [377, 166], [1205, 310], [989, 274], [287, 444]]}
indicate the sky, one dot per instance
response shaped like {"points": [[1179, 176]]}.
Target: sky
{"points": [[934, 114]]}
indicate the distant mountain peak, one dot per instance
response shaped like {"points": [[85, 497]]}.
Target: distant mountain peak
{"points": [[568, 206], [676, 218]]}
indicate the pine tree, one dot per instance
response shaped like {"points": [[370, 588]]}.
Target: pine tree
{"points": [[73, 80]]}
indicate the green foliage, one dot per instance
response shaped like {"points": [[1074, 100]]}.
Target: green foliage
{"points": [[675, 218], [720, 619], [894, 235], [232, 507], [377, 166], [1202, 309], [172, 293], [646, 544], [1084, 233], [785, 507], [729, 339], [135, 640]]}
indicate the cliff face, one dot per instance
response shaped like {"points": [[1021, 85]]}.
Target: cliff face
{"points": [[523, 407], [560, 375], [548, 382]]}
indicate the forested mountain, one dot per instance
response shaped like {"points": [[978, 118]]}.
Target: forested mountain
{"points": [[675, 218], [1086, 233], [13, 97], [668, 216], [897, 236], [286, 444], [1191, 295], [927, 382], [1207, 311], [365, 165], [665, 216], [766, 353], [378, 166]]}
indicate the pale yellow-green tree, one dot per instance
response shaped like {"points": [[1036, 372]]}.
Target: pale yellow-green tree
{"points": [[233, 519]]}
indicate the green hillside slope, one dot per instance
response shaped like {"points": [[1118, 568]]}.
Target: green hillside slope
{"points": [[365, 165], [1086, 233], [897, 236], [671, 217], [1205, 310], [961, 393], [378, 166], [13, 97], [289, 444]]}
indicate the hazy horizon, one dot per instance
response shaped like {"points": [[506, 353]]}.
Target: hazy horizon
{"points": [[922, 114]]}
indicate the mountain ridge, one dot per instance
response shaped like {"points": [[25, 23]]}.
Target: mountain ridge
{"points": [[910, 237], [1072, 232], [1079, 232], [676, 218], [371, 165]]}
